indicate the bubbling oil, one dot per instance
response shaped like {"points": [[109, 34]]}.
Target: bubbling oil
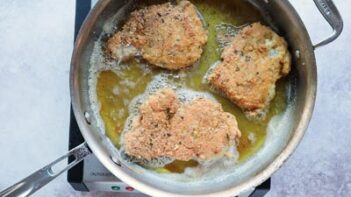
{"points": [[116, 88]]}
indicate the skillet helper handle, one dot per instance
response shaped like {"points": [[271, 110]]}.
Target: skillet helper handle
{"points": [[333, 17], [43, 176]]}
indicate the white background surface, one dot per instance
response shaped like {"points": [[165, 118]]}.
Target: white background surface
{"points": [[35, 48]]}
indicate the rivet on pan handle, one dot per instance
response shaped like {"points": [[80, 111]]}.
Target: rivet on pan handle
{"points": [[43, 176], [332, 15]]}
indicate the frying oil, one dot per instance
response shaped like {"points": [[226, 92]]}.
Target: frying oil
{"points": [[116, 88]]}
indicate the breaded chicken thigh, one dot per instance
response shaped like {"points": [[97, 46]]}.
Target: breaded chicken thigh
{"points": [[199, 129], [251, 65], [166, 35]]}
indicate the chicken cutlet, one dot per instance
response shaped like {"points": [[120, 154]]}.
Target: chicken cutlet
{"points": [[166, 35], [199, 129], [256, 58]]}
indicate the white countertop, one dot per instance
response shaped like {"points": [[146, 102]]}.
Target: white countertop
{"points": [[35, 48]]}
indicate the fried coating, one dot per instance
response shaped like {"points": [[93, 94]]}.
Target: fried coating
{"points": [[166, 35], [253, 62], [202, 130], [147, 137], [199, 129]]}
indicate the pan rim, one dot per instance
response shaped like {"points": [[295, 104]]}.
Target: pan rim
{"points": [[104, 157]]}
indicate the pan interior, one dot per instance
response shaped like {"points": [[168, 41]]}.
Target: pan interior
{"points": [[279, 128]]}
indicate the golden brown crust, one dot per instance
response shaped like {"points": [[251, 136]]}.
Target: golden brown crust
{"points": [[196, 130], [203, 129], [168, 36], [151, 126], [253, 62]]}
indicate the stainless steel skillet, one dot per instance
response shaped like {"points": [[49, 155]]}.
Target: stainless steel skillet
{"points": [[282, 15]]}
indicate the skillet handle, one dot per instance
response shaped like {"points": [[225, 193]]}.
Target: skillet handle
{"points": [[333, 17], [43, 176]]}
